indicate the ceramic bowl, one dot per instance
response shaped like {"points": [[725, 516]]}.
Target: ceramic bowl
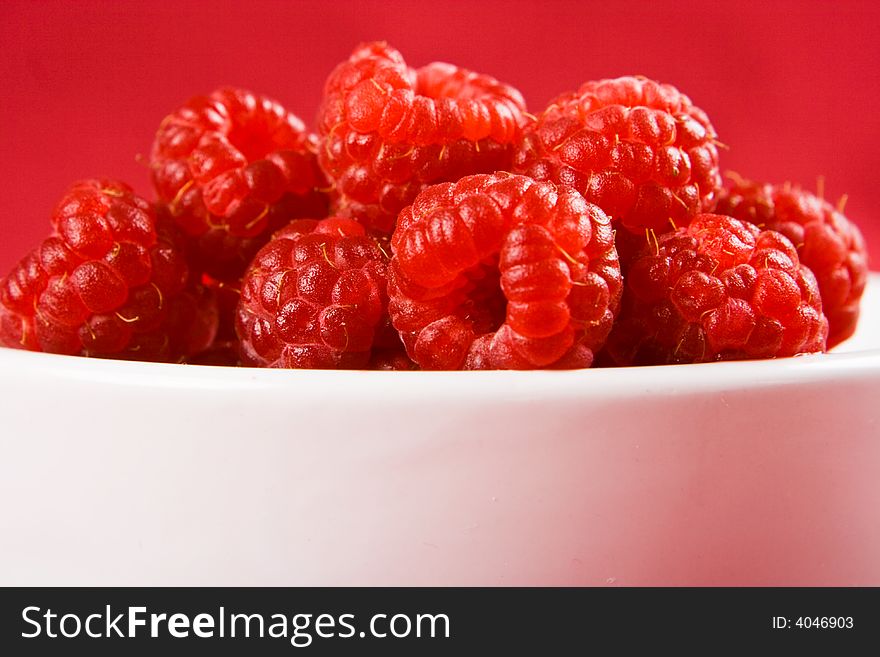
{"points": [[741, 473]]}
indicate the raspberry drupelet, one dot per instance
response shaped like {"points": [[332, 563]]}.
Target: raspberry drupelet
{"points": [[108, 282], [718, 289], [502, 272], [388, 130], [826, 242], [314, 297], [232, 167], [225, 349], [638, 149]]}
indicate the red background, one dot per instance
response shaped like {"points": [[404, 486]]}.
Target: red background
{"points": [[792, 87]]}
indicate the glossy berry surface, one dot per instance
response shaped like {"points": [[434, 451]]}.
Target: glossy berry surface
{"points": [[314, 297], [107, 282], [502, 272], [718, 289], [640, 150], [231, 168], [388, 130], [826, 241]]}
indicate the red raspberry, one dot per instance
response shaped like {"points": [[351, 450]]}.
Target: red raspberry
{"points": [[233, 167], [314, 297], [387, 131], [638, 149], [826, 241], [225, 348], [228, 295], [719, 289], [499, 271], [392, 360], [188, 330], [107, 282], [219, 354]]}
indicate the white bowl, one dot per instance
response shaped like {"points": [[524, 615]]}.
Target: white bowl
{"points": [[746, 473]]}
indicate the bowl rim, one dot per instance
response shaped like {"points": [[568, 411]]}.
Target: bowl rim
{"points": [[382, 386], [847, 364]]}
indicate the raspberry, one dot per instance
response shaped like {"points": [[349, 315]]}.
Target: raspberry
{"points": [[107, 282], [223, 354], [232, 167], [314, 297], [499, 271], [193, 321], [826, 241], [387, 130], [719, 289], [188, 330], [638, 149], [228, 295], [224, 350], [391, 360]]}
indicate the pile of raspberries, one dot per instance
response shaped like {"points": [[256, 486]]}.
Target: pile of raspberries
{"points": [[434, 223]]}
